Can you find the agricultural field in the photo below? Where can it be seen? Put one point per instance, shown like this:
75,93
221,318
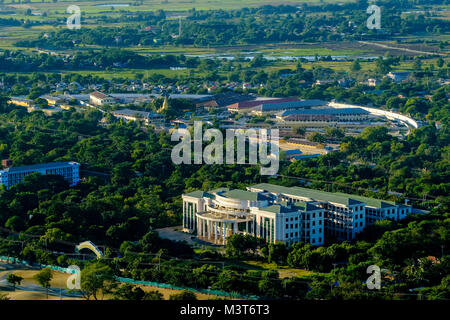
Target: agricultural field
151,5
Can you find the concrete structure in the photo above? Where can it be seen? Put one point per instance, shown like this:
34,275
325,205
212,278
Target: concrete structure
282,214
246,105
53,101
323,115
292,153
133,115
98,98
14,175
346,215
376,209
22,101
218,214
273,108
401,76
373,82
7,163
410,122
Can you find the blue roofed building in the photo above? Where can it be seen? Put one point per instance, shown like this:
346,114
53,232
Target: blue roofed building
285,106
292,153
323,115
14,175
305,157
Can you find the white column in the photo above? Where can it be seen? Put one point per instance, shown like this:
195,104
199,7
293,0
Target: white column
208,227
224,232
264,231
204,228
274,236
215,231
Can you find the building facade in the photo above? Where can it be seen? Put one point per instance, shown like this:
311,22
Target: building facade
134,115
14,175
99,98
283,214
220,213
274,108
325,115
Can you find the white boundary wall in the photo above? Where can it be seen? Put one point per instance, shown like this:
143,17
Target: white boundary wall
378,112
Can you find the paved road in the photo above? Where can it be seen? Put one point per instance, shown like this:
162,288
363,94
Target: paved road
401,49
171,234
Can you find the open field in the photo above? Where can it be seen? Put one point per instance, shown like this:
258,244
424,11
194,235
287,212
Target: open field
176,5
59,281
284,271
35,292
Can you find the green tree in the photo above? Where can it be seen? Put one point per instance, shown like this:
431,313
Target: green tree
238,244
153,295
356,66
14,280
275,252
3,296
128,292
299,130
44,277
183,295
97,277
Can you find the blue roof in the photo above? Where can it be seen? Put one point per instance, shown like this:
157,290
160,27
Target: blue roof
291,152
291,105
306,156
331,111
40,166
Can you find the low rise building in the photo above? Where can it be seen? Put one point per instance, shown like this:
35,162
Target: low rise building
22,101
134,115
53,101
400,76
274,108
373,82
324,115
292,153
244,106
99,98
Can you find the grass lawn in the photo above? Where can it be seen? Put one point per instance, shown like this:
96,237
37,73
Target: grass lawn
284,271
59,281
152,5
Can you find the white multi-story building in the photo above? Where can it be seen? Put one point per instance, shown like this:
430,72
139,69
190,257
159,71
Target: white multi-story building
346,215
377,209
218,214
282,214
14,175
